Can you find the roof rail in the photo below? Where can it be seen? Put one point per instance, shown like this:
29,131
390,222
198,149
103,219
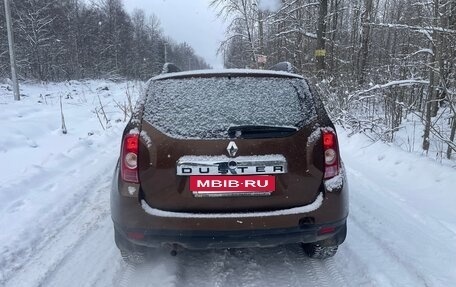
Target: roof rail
284,66
170,68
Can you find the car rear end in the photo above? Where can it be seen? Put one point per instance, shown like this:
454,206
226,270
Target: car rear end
220,160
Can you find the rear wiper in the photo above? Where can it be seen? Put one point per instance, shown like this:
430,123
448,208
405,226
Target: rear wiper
260,132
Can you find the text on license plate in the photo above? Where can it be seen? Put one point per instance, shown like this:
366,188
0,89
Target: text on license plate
233,183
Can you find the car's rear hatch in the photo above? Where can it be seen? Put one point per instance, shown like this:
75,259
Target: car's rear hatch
195,121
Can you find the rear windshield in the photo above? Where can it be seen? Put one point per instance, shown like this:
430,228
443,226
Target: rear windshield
202,108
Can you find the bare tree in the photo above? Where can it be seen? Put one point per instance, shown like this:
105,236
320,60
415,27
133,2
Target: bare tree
71,39
389,60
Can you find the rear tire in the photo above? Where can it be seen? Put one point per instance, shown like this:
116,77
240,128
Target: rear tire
326,248
316,251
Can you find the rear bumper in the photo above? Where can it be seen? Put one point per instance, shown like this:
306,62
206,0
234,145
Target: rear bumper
229,239
231,231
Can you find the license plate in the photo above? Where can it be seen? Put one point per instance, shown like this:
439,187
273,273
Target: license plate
232,185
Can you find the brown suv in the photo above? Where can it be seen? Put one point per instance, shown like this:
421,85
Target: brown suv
229,159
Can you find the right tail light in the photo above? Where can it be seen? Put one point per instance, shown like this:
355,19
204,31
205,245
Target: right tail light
129,158
331,152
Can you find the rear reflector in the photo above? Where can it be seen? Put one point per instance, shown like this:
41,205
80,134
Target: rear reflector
331,153
326,230
135,235
129,158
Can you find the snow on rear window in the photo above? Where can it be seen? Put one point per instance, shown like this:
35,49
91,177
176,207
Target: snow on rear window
205,108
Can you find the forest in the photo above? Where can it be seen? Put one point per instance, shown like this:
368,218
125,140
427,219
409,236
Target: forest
377,63
60,40
383,67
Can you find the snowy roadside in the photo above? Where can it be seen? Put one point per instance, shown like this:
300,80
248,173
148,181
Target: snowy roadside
402,223
47,177
407,177
31,128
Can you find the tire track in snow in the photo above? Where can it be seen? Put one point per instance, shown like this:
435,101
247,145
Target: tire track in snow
160,270
352,265
304,271
44,223
337,278
249,267
202,268
386,227
124,275
382,248
91,262
60,242
319,273
73,216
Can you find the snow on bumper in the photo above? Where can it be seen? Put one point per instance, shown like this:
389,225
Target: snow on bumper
290,211
337,182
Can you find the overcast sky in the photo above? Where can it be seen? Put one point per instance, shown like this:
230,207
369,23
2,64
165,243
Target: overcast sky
191,21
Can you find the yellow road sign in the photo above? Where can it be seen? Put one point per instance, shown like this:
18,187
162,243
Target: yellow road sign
320,53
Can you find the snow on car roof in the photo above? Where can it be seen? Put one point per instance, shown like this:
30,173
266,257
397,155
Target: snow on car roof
217,72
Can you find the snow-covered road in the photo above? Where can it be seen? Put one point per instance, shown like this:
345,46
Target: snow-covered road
55,226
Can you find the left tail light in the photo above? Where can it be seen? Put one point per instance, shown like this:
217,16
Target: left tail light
331,151
129,158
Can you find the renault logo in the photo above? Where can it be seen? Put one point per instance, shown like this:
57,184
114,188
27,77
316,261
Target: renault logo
232,149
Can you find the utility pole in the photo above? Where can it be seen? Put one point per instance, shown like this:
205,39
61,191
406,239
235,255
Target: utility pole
261,63
9,27
261,31
166,52
320,52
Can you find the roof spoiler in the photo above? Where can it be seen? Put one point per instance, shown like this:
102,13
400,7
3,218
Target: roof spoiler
284,66
170,68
